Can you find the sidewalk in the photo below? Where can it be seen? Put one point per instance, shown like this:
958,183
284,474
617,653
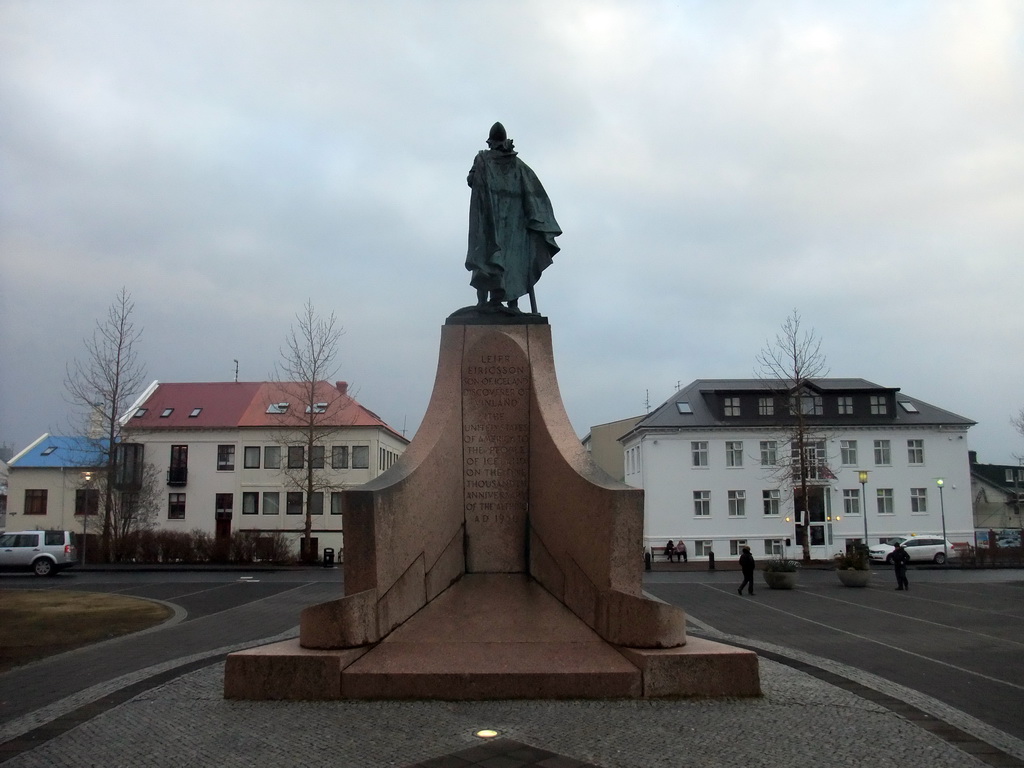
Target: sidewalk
170,715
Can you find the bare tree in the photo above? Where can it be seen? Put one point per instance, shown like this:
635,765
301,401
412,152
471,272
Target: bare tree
1018,424
135,510
102,383
308,360
787,365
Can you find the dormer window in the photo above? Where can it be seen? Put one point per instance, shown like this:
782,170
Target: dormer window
277,408
732,406
878,406
167,412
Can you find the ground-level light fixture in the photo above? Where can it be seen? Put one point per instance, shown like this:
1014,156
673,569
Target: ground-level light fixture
486,733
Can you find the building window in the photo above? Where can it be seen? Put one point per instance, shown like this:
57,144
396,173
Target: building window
699,453
360,457
845,405
769,453
885,506
773,547
296,456
883,456
915,451
878,405
225,458
272,457
702,503
251,457
293,500
339,457
316,505
734,453
271,502
335,502
810,405
176,506
919,501
177,470
732,406
765,406
848,452
771,499
225,504
701,547
735,545
87,501
35,501
737,503
250,502
195,413
851,501
316,456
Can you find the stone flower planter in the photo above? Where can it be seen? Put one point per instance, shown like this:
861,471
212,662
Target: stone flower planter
851,577
780,579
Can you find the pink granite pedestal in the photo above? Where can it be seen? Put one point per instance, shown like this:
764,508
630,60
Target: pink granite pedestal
493,560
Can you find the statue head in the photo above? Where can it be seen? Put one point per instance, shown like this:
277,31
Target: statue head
497,135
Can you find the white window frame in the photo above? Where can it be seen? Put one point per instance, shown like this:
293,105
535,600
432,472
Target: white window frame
915,452
769,453
884,501
699,453
702,503
737,503
883,453
851,502
734,454
919,501
848,453
771,501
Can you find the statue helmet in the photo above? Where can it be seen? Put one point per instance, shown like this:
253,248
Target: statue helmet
497,134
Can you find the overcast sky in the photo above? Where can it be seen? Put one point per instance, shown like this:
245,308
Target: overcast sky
713,165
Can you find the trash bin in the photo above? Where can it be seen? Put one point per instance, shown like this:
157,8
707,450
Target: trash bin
328,557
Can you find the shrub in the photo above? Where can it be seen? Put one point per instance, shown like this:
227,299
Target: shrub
779,564
853,560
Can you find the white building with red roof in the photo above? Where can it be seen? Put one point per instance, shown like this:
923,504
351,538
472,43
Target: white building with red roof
234,454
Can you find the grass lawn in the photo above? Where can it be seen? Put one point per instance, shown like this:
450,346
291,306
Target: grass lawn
35,623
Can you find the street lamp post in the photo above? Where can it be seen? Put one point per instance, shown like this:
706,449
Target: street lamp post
862,475
942,508
87,477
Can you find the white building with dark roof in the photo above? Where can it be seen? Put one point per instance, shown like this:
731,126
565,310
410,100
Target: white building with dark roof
709,461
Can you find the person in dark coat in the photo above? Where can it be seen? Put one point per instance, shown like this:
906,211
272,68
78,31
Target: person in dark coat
900,558
747,566
670,549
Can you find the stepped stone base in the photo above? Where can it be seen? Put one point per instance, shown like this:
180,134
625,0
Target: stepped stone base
491,636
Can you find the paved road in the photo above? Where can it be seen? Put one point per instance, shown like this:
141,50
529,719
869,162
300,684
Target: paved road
216,610
956,635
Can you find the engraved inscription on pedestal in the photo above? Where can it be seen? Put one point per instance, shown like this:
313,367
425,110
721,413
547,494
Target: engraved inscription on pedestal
496,452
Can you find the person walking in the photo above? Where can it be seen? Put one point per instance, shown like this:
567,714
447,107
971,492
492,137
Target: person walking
900,558
747,566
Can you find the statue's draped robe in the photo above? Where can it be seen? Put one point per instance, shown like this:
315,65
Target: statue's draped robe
512,228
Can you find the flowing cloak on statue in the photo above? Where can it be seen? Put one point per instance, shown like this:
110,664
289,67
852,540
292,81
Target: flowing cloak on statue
512,228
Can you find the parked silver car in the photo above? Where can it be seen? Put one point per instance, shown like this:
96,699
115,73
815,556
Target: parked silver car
927,549
43,552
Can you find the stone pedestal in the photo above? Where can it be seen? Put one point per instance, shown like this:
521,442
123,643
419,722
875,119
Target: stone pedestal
495,512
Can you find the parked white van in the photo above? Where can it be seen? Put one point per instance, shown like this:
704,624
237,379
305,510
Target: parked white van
44,552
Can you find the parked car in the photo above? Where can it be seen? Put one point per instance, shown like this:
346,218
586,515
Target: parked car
43,552
926,549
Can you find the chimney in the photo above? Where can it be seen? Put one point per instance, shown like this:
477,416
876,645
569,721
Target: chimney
342,387
972,457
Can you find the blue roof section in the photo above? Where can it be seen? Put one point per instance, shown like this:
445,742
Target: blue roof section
55,451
